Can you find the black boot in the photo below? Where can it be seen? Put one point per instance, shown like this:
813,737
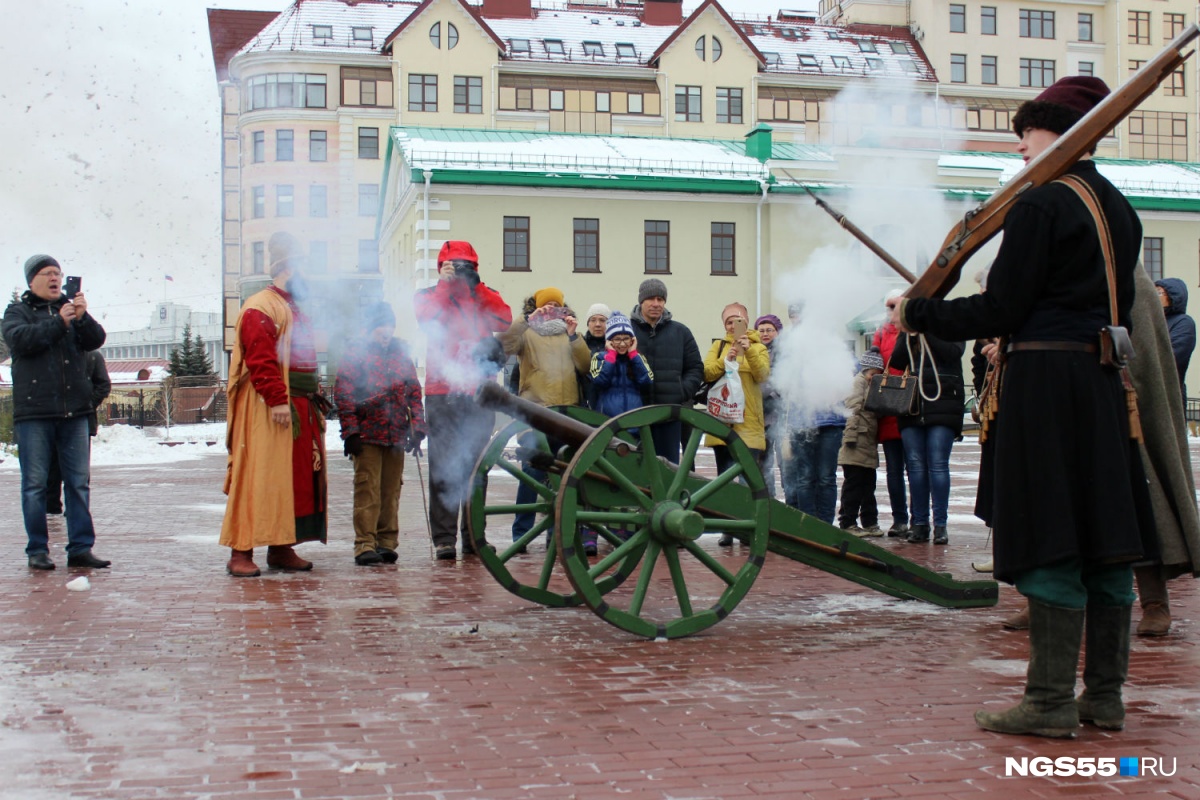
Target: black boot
940,535
918,534
40,561
85,558
1048,708
1105,666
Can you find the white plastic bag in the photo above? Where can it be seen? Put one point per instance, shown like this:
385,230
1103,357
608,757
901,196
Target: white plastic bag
726,398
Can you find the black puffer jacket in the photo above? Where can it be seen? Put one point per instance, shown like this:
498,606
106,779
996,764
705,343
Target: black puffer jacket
946,370
674,358
50,373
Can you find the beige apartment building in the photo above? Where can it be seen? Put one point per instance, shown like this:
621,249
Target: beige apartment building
591,144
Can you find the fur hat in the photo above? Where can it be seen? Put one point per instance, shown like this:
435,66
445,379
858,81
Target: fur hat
458,251
771,318
1061,105
618,323
543,296
652,287
598,310
870,360
379,315
284,252
35,264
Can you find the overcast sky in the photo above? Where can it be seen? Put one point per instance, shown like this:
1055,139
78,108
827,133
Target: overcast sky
111,148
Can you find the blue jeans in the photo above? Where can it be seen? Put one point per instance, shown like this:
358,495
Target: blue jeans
893,454
36,440
813,472
927,454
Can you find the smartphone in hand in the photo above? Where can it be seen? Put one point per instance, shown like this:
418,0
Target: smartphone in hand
72,286
739,329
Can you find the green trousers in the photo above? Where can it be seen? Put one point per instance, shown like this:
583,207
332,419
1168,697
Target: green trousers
1075,584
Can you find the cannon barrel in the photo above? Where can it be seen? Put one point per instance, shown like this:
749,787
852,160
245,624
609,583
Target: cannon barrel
557,426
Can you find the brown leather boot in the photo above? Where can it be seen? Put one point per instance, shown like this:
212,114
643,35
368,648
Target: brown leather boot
241,564
1017,622
282,556
1156,619
1156,606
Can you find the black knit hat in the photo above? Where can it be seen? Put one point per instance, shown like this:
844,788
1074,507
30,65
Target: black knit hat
35,264
1061,105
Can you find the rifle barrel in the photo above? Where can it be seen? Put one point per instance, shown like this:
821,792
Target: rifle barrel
858,233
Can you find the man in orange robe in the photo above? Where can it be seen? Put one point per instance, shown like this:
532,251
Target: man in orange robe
276,425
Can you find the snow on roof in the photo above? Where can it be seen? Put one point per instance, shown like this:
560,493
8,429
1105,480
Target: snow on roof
838,52
596,36
507,151
332,26
1149,179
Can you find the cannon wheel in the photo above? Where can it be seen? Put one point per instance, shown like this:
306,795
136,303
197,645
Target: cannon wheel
664,508
478,511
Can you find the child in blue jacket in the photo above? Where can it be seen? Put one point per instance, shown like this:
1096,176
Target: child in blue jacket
620,373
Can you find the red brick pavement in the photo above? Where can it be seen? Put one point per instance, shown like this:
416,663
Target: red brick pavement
169,679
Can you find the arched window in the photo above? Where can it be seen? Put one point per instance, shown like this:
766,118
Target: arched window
716,49
435,35
700,48
451,36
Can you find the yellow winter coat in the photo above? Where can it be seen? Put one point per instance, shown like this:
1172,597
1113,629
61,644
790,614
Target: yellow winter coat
548,364
754,367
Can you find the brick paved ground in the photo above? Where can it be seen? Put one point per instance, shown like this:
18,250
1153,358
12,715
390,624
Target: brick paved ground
171,680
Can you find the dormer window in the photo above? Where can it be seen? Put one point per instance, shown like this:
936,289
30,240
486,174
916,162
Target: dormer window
875,63
554,47
834,35
361,35
788,33
899,48
593,49
626,50
322,32
518,45
807,60
841,62
866,47
908,65
772,59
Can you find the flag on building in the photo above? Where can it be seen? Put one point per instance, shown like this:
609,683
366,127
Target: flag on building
168,277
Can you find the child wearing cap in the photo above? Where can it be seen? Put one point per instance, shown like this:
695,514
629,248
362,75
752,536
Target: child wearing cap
620,373
859,456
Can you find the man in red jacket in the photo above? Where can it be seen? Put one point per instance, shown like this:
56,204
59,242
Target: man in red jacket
458,315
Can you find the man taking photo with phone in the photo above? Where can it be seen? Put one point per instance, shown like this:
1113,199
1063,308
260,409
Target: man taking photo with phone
48,336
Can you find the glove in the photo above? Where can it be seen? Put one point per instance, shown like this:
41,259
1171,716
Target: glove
353,445
468,275
413,445
610,356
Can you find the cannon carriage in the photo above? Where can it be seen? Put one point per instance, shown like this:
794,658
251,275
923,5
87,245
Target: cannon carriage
657,581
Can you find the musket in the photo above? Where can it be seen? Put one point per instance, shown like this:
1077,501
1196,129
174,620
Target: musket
858,233
982,223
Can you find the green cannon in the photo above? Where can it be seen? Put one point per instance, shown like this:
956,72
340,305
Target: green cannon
603,479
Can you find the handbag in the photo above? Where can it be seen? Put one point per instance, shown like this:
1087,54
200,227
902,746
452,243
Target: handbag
894,395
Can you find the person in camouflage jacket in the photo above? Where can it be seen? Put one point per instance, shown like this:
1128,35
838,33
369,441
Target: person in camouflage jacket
378,399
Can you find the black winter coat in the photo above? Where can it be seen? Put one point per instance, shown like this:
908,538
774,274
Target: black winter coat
674,358
50,374
946,369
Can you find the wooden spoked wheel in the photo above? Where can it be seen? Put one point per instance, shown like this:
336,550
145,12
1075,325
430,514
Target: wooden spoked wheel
523,567
646,506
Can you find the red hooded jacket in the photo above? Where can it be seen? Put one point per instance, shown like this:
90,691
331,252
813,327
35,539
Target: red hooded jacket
455,320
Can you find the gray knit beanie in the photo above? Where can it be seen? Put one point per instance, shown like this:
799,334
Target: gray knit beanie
35,264
652,287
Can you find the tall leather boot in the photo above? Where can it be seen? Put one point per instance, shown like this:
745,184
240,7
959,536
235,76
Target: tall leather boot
1156,607
282,556
241,564
1105,666
917,534
1048,708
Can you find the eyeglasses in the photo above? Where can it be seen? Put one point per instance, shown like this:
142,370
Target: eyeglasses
52,273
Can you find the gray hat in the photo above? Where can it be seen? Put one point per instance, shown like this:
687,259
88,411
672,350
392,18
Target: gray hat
870,360
652,287
379,315
35,264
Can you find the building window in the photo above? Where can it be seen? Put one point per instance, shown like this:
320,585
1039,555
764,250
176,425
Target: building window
318,201
841,62
1036,24
687,103
867,46
958,18
258,147
1037,73
1139,27
987,20
627,50
1085,28
958,68
603,102
554,47
722,248
635,103
587,245
451,36
367,86
284,145
368,255
1173,25
1087,68
258,258
285,90
322,33
987,70
717,49
1152,256
1158,134
318,146
593,49
558,99
368,199
318,258
468,95
729,106
658,245
258,201
1174,86
422,92
368,142
361,34
516,244
702,48
1135,64
285,200
435,35
518,46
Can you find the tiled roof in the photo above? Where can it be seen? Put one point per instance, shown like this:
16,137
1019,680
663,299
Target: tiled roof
302,25
604,27
229,30
841,52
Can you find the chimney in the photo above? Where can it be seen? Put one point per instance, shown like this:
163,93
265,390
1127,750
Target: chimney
758,142
662,12
507,9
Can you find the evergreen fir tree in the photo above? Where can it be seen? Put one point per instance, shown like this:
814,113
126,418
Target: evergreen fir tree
182,358
201,363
